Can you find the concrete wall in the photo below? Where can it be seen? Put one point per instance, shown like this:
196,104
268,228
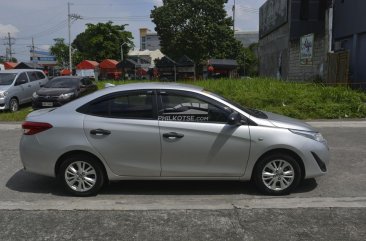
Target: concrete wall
349,17
350,30
273,51
300,72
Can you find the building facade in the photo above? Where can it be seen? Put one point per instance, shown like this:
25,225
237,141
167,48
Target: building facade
293,41
149,40
349,33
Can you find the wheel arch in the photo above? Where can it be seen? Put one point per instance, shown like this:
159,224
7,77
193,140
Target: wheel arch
13,97
79,152
291,153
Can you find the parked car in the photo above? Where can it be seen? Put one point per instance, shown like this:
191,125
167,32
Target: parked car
168,131
18,85
61,90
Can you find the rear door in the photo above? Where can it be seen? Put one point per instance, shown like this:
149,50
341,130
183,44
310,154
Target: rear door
23,91
34,82
196,139
123,128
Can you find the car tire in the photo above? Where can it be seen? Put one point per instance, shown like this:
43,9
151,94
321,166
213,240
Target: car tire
81,175
13,105
277,174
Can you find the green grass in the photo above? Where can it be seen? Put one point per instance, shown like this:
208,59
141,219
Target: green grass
298,100
16,116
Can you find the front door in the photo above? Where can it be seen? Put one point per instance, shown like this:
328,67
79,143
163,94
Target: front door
196,139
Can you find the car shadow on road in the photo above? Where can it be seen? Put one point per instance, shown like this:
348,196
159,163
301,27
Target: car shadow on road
22,181
26,182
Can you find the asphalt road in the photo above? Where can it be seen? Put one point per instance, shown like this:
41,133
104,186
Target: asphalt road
332,207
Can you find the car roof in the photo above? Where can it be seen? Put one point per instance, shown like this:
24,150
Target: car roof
16,71
69,77
156,85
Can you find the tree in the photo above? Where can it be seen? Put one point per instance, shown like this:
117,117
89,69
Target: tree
61,51
199,29
2,60
103,41
248,60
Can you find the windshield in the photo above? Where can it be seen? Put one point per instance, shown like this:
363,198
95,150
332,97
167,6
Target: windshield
7,78
62,83
250,111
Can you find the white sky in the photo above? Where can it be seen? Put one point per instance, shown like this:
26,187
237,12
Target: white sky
47,19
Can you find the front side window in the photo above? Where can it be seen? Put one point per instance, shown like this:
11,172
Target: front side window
22,79
135,105
189,108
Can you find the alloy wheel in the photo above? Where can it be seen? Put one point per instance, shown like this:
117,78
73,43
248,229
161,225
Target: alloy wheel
278,175
80,176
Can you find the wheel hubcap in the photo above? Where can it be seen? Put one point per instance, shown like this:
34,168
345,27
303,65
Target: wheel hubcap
13,106
278,175
80,176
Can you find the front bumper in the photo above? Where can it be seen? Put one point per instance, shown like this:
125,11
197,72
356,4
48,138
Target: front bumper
41,103
4,104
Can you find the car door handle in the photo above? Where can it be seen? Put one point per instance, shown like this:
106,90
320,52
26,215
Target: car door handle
173,135
100,132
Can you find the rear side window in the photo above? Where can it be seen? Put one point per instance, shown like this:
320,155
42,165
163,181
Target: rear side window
135,105
40,75
86,81
32,76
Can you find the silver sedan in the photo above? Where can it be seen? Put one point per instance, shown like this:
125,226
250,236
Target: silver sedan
168,131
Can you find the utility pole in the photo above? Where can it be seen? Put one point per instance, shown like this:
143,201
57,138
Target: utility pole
10,43
70,17
69,27
33,54
234,16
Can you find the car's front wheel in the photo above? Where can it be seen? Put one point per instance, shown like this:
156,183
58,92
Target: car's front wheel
81,175
277,174
13,105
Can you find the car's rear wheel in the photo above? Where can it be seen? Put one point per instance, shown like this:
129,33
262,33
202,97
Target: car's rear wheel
277,174
81,175
13,105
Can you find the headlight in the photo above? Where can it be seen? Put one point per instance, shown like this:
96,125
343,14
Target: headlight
66,96
316,136
35,96
3,94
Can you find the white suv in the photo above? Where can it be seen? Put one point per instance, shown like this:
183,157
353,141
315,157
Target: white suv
18,85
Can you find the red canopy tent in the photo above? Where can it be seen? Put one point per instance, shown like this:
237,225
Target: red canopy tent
108,69
87,64
10,65
87,68
65,72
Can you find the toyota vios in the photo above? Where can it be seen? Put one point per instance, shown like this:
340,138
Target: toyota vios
168,131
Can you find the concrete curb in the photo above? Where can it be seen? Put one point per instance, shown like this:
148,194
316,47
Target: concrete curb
190,203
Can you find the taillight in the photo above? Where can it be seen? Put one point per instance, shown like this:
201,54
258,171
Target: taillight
31,128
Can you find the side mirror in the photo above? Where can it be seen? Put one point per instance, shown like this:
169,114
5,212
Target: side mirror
234,119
